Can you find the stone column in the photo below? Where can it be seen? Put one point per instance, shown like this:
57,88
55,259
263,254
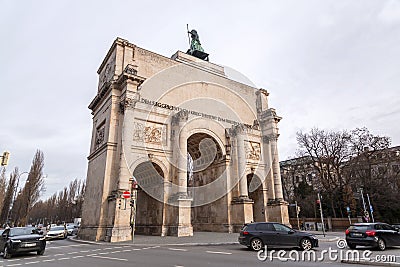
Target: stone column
241,158
183,202
276,168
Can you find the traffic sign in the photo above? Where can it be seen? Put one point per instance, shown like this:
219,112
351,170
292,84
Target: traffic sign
126,194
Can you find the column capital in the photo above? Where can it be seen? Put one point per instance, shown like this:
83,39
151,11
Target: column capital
181,116
128,102
270,138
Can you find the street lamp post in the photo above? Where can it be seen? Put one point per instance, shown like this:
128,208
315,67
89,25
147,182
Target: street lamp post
133,201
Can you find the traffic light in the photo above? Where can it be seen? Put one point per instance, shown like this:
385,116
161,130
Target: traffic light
132,202
119,203
5,158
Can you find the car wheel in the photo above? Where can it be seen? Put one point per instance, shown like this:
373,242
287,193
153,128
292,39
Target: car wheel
256,244
305,244
351,246
381,245
6,253
41,252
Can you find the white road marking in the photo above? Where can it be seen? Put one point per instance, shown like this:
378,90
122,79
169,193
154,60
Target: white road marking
49,260
15,260
109,258
80,245
136,249
31,262
117,251
108,248
96,249
127,250
76,257
126,246
83,251
61,254
178,249
104,253
61,259
16,264
75,252
117,247
219,252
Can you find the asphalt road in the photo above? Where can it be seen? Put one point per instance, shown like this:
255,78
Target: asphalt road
62,253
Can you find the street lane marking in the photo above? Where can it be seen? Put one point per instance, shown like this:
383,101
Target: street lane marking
83,251
126,246
104,253
219,252
49,260
76,257
61,254
127,250
178,249
61,259
136,249
16,264
80,245
96,249
109,258
117,251
75,252
31,262
108,248
15,260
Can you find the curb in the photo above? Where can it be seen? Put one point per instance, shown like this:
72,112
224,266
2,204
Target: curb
147,244
373,263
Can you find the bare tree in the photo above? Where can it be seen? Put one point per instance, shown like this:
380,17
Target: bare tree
32,189
9,196
328,150
3,187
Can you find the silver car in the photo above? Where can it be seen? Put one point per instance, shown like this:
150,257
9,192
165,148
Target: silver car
57,232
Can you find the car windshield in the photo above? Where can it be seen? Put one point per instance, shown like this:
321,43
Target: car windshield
70,227
21,231
359,227
57,228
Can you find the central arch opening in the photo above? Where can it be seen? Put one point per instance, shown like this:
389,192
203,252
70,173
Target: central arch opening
149,208
206,164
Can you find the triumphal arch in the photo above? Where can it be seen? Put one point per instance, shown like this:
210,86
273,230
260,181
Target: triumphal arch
194,144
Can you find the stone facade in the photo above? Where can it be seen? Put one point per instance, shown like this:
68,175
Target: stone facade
201,146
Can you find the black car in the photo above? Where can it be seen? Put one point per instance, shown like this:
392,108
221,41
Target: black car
378,235
21,239
257,235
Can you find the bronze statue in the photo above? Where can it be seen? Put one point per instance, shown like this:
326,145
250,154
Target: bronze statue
195,46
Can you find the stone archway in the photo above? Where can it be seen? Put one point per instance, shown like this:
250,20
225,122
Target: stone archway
206,164
255,187
149,208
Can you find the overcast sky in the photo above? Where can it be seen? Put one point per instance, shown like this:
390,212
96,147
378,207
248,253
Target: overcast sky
327,64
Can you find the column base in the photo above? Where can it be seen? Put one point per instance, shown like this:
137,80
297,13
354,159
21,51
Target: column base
278,211
241,212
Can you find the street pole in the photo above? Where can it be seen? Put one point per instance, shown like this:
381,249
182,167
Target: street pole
322,215
371,209
297,215
363,200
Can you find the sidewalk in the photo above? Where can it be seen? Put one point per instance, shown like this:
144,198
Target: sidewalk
199,239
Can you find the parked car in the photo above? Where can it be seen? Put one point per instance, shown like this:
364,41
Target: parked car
21,239
72,229
397,225
257,235
57,232
378,235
